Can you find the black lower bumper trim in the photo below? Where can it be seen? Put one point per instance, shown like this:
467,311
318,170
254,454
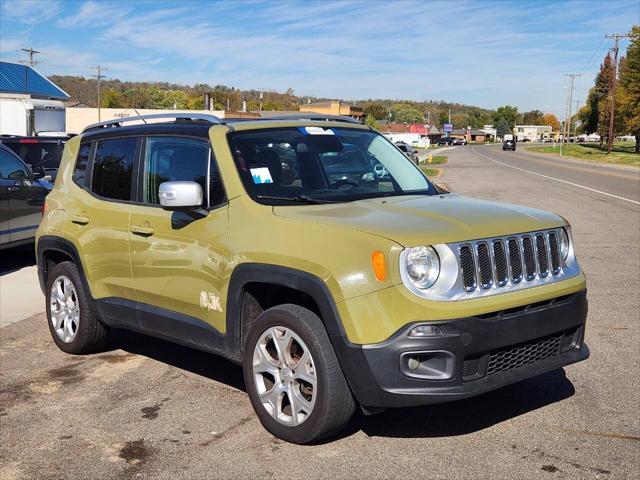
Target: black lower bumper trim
474,354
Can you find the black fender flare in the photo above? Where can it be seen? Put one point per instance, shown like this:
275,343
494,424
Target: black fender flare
47,243
350,356
286,277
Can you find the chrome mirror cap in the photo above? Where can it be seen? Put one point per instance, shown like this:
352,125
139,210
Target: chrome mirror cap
176,195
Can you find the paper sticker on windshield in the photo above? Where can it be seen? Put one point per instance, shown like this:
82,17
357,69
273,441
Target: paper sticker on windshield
316,131
261,175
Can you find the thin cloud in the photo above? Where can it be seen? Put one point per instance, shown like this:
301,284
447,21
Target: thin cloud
30,12
94,13
464,51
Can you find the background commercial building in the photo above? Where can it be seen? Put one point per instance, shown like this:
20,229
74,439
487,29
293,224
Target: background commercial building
334,107
531,133
30,103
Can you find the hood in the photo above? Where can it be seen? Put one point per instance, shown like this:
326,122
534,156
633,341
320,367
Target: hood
420,220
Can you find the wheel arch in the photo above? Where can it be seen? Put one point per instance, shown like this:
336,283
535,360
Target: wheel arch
51,250
253,287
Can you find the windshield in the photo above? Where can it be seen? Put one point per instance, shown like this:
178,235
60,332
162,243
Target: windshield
315,165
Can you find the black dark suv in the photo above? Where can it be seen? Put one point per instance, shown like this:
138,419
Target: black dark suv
41,151
509,145
445,141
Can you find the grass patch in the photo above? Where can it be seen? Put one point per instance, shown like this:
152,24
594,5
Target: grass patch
430,172
435,160
622,153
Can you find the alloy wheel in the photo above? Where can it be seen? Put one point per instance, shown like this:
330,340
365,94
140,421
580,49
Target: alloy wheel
64,308
285,376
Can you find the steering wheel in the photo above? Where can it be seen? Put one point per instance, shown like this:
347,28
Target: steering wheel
343,182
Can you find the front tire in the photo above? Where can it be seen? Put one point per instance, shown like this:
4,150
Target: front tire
73,326
293,378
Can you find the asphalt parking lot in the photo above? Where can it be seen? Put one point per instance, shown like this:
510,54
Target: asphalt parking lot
145,408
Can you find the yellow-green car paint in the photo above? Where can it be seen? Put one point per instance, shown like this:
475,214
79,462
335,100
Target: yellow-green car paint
332,242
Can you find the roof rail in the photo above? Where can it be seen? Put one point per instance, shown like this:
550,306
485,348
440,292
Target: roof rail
311,117
117,122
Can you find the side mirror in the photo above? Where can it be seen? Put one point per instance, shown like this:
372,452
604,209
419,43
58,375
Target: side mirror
19,175
180,195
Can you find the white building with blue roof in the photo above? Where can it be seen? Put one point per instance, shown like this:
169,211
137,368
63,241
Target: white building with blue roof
30,104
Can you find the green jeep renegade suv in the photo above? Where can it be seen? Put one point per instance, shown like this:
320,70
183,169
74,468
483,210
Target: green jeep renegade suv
312,252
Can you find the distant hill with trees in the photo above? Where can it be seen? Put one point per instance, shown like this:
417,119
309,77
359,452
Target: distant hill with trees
164,95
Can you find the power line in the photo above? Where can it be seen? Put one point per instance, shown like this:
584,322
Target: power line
612,110
99,69
596,54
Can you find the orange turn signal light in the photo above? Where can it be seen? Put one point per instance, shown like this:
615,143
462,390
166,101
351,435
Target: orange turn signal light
379,265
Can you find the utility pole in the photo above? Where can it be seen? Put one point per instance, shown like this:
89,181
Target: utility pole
31,62
31,52
612,91
575,127
566,130
98,76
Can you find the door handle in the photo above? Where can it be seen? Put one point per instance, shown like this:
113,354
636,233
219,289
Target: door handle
13,189
80,219
144,231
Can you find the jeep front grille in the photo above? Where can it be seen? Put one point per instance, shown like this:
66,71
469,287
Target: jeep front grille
506,262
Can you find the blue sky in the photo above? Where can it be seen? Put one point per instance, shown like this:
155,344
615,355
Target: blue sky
475,52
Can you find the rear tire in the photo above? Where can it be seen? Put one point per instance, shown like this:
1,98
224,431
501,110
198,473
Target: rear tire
73,326
307,372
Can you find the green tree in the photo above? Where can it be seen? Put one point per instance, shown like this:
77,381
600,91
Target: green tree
111,98
376,111
630,88
443,117
603,92
371,122
503,127
508,113
534,117
588,115
404,113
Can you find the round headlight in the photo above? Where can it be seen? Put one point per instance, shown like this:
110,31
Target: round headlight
564,244
422,266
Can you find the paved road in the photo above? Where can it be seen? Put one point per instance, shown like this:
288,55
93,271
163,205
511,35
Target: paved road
149,409
620,182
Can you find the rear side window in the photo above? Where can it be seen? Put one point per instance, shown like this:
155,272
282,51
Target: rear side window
113,168
80,171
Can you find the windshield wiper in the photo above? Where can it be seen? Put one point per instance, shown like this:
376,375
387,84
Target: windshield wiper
299,198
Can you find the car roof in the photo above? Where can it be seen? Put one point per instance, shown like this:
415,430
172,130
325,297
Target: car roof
188,119
201,129
33,139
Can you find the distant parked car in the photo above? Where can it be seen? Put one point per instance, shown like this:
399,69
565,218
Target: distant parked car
509,145
445,141
409,151
459,141
22,194
41,151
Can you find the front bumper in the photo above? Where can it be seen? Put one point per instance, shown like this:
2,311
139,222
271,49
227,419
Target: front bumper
472,356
